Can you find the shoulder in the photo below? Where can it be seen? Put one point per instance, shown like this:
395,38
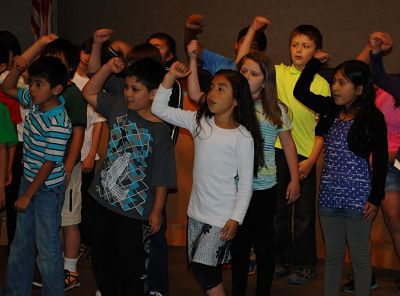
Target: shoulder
244,134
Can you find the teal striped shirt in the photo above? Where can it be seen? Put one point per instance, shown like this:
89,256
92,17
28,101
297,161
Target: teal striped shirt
45,139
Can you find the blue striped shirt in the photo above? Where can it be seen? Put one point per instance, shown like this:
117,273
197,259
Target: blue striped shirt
266,176
45,139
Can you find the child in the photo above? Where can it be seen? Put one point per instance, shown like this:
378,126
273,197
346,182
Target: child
76,108
212,61
223,170
46,132
257,228
132,185
350,192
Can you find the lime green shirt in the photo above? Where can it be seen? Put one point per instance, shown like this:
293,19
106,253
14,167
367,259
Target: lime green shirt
303,119
8,134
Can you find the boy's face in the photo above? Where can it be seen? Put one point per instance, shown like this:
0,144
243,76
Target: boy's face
137,96
302,49
84,60
162,46
41,92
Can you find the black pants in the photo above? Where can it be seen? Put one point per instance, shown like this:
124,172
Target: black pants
88,202
12,192
295,224
257,230
117,253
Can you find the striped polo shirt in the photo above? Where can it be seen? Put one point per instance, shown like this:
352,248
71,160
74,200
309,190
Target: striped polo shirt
45,139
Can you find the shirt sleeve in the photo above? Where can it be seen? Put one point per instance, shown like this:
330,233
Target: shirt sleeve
8,133
390,84
163,160
214,62
286,123
24,97
245,152
75,104
175,116
105,104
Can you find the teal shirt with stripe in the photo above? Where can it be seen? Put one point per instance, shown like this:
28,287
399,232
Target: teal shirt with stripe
45,138
266,176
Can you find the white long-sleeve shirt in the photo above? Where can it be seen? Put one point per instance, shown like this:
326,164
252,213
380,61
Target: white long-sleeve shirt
223,164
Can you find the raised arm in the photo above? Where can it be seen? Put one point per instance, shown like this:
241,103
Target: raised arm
391,84
95,85
194,91
387,44
99,37
9,85
302,92
258,23
194,26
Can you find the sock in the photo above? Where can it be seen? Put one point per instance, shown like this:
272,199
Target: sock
70,264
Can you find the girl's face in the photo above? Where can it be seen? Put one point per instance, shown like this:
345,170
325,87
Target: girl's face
344,91
220,97
255,76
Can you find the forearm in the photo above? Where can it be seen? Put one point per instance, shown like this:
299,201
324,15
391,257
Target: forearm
35,50
96,137
75,147
194,90
3,165
41,177
246,45
160,197
95,85
364,54
11,155
95,58
316,151
289,148
188,36
9,85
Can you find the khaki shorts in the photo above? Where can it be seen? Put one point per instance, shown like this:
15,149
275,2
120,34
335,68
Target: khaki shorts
71,211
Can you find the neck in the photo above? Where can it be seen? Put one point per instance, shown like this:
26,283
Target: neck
146,114
225,121
49,104
81,72
298,67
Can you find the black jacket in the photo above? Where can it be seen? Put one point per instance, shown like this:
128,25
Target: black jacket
367,134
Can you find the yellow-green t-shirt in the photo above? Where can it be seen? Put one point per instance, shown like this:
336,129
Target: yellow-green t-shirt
303,119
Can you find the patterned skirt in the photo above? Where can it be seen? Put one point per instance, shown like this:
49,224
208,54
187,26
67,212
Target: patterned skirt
205,245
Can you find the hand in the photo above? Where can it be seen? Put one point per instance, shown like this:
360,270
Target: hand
380,41
370,211
22,203
179,70
229,230
155,221
2,198
87,164
305,167
193,49
116,65
102,35
195,22
260,23
321,56
46,39
20,64
292,192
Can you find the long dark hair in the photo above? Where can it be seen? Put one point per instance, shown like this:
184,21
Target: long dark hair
243,114
360,75
269,97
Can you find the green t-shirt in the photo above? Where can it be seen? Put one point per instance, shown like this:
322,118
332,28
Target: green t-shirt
303,119
75,105
8,134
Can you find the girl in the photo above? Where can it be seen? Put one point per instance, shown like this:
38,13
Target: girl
223,169
257,227
350,192
388,102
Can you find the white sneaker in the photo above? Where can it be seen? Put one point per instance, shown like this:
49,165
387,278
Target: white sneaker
97,293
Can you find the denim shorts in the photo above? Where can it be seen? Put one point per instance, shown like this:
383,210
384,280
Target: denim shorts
392,179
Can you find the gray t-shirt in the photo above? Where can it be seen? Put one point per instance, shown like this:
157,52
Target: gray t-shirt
140,156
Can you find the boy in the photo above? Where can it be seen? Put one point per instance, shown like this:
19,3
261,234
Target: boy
213,61
46,132
295,224
75,105
132,185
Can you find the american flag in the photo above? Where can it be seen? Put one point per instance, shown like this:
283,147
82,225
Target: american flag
41,17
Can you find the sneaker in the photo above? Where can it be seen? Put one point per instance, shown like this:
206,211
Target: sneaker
349,286
97,293
37,279
301,276
71,280
280,271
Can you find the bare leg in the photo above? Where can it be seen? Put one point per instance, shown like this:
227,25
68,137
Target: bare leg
216,291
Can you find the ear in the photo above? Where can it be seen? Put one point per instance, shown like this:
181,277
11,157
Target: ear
58,89
235,102
153,94
236,46
359,90
3,67
169,57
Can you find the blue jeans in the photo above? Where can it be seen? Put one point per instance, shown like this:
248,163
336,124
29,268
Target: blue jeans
39,224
